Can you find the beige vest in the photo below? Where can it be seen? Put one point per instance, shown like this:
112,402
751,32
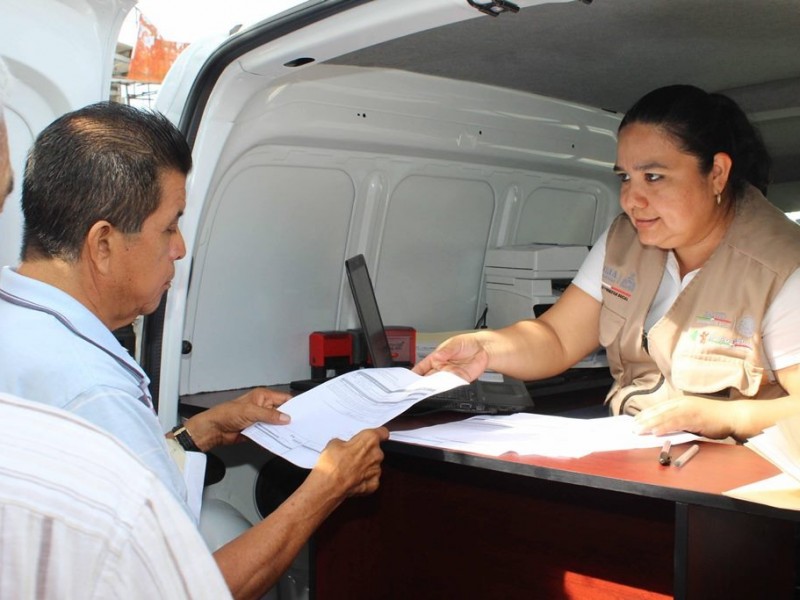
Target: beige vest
709,342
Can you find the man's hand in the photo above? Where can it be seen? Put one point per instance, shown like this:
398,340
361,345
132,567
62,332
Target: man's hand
223,423
352,468
463,355
253,562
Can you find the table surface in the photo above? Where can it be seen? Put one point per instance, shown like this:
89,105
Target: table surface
566,516
716,468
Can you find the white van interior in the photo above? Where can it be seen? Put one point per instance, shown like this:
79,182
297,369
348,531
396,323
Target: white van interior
423,139
423,134
347,160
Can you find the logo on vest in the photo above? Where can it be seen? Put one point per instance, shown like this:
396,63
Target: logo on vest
614,284
714,319
707,325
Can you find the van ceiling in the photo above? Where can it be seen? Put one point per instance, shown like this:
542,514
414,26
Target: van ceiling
608,53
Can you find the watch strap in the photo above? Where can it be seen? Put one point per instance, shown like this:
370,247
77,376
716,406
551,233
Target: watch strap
184,438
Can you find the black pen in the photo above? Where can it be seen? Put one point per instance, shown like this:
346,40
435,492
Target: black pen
663,457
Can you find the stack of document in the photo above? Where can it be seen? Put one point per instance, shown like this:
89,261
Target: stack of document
542,435
343,406
779,444
367,398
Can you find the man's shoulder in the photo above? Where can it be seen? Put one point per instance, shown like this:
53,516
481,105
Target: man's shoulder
65,430
43,359
57,368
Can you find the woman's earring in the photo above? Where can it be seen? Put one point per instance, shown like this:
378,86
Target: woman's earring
719,199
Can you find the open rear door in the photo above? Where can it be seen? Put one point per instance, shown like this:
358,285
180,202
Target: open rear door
60,54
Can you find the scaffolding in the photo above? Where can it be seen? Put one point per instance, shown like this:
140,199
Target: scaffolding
128,91
138,84
134,93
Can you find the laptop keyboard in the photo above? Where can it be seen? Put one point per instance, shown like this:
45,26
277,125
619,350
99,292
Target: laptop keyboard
463,398
463,393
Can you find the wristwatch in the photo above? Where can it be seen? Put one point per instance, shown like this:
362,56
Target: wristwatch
180,433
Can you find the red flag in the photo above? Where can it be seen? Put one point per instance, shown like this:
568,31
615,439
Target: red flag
153,55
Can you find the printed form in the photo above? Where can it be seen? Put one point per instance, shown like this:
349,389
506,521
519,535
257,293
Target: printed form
367,398
342,407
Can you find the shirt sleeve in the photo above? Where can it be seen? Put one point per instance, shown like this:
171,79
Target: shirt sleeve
163,557
590,275
781,326
136,426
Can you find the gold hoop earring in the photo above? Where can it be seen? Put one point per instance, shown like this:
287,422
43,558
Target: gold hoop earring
719,199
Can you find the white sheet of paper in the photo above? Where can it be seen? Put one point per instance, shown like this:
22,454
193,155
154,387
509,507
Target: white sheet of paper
779,447
194,474
342,407
780,491
531,434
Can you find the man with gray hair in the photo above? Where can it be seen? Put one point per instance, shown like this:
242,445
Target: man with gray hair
102,195
80,516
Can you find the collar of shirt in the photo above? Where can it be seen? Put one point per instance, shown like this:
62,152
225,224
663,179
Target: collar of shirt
74,315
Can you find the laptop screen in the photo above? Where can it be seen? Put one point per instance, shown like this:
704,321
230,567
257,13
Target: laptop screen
368,314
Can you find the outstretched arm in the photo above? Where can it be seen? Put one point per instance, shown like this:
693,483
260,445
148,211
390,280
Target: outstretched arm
530,349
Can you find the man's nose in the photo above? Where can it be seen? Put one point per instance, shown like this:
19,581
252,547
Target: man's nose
179,249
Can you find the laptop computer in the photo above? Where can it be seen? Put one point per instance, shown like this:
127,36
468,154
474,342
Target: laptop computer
479,397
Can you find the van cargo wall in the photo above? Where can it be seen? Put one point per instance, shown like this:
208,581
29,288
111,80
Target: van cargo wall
420,174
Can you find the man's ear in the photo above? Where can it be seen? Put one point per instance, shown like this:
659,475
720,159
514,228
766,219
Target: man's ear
100,244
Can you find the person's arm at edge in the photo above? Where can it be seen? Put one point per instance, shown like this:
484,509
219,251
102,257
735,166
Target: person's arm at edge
751,417
254,562
528,350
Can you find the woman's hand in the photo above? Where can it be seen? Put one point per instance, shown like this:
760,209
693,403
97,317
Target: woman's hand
714,419
463,355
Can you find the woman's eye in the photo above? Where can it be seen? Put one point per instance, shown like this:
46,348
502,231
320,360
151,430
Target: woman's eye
652,177
623,177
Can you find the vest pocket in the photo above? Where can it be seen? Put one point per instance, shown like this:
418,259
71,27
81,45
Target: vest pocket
611,325
710,373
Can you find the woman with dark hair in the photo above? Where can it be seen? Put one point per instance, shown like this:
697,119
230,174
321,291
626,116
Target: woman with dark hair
692,290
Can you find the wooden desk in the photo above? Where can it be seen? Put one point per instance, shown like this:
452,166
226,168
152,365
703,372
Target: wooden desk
611,525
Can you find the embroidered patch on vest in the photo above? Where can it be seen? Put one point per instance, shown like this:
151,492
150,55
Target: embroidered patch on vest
703,337
717,319
707,325
622,288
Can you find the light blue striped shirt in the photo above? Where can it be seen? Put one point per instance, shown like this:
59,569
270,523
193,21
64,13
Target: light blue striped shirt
54,350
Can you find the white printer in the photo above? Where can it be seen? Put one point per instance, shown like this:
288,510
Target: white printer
521,277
